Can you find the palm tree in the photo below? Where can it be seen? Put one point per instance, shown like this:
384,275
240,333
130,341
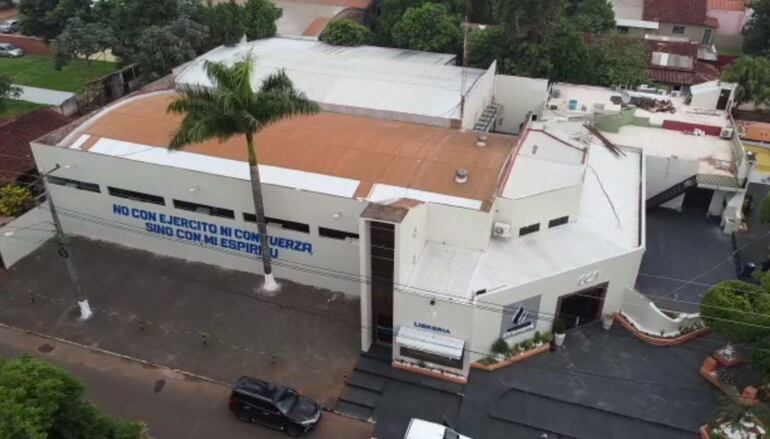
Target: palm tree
231,107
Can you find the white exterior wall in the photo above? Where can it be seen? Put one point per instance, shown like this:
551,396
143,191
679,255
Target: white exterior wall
619,272
464,228
173,183
664,172
541,208
518,96
693,32
411,236
479,97
25,234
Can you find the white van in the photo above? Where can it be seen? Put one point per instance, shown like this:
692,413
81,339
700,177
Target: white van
419,429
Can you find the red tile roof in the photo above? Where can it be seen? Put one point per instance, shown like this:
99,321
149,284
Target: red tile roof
15,152
675,47
728,5
703,72
677,11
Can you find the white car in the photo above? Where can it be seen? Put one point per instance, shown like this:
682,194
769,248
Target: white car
10,51
419,429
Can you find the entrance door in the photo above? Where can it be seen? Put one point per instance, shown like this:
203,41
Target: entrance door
381,254
724,96
582,307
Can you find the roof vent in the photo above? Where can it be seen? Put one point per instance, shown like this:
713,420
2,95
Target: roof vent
461,175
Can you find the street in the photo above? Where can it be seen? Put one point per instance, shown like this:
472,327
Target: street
173,405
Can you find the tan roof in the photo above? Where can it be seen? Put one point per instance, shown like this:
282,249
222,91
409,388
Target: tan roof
372,151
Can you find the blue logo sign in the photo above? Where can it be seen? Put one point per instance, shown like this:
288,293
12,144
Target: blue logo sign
201,232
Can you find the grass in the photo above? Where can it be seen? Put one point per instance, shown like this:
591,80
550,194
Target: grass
14,107
38,71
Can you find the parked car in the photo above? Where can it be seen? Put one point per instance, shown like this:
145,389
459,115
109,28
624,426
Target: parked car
10,51
9,26
420,429
275,406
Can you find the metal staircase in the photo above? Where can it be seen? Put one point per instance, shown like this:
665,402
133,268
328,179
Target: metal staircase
487,119
672,192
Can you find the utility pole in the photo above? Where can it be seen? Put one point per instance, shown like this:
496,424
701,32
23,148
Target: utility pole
66,253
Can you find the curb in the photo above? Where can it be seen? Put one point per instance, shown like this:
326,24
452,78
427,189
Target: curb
659,341
115,354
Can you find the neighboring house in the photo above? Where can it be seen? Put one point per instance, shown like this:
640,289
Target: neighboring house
732,17
675,64
682,18
17,133
629,18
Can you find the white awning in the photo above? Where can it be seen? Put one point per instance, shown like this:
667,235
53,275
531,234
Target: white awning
430,342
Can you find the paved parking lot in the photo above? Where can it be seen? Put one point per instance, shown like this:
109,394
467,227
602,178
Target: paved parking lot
163,309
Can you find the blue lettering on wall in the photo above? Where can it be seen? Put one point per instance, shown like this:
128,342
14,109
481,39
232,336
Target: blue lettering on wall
201,232
431,328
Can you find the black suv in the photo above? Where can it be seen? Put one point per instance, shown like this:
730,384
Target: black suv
276,406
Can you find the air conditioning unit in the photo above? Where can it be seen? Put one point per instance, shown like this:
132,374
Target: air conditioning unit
501,230
674,93
727,133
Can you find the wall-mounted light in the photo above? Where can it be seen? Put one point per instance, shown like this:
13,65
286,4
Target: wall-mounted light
194,189
432,301
337,215
8,233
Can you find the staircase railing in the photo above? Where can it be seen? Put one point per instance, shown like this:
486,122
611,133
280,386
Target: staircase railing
672,192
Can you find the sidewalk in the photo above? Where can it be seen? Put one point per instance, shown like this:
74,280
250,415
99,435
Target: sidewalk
43,95
172,404
162,310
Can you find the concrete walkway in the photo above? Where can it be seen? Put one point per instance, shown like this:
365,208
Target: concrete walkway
43,95
172,404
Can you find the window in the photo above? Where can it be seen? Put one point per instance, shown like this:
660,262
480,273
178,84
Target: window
432,358
707,36
623,29
136,196
336,234
558,221
678,30
285,224
75,184
529,229
204,209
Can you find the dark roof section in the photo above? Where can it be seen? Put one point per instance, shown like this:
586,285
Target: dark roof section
15,152
678,12
697,73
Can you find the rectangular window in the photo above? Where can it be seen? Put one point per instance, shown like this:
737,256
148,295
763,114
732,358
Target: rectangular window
136,196
623,29
284,224
529,229
558,221
707,36
336,234
204,209
678,30
75,184
432,358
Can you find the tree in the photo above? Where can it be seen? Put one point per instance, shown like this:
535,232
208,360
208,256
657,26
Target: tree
484,47
528,20
225,22
39,401
617,59
569,54
231,108
393,10
738,311
14,200
346,33
161,48
259,20
429,27
80,39
757,39
35,18
592,16
7,90
753,78
128,18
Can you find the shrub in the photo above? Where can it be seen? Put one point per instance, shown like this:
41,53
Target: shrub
547,337
738,311
764,210
760,358
527,344
537,338
500,347
346,32
14,200
559,327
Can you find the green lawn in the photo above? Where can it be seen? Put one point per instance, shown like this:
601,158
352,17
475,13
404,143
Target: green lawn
14,107
38,71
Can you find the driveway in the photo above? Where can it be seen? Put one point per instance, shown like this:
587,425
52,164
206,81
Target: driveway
172,404
188,316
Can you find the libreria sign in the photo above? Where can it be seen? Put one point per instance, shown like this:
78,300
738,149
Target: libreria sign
201,232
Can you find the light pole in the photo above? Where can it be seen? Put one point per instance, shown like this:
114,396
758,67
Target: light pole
66,253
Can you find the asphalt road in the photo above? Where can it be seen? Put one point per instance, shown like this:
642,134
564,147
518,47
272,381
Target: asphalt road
172,404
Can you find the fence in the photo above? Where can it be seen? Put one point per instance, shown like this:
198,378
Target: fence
25,234
31,45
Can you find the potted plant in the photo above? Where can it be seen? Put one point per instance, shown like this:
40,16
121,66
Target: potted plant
607,321
559,332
